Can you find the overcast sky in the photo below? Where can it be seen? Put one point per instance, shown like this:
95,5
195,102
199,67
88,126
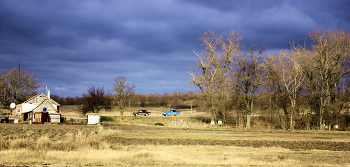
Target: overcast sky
73,45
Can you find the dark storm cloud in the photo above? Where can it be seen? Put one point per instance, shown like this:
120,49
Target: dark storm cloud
275,23
72,45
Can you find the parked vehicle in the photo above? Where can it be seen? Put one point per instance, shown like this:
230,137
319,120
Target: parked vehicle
141,112
171,112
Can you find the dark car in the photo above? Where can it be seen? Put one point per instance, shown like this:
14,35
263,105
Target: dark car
141,112
171,112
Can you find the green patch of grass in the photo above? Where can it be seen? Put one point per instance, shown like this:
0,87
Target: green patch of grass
107,119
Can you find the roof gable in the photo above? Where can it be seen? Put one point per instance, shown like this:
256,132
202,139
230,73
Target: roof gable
45,104
39,98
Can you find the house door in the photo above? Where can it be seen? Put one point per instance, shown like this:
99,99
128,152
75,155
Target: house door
25,116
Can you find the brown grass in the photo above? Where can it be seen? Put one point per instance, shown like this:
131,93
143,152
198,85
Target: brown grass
71,141
176,156
87,148
3,142
18,144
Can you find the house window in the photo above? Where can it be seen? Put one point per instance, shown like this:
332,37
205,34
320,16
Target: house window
18,110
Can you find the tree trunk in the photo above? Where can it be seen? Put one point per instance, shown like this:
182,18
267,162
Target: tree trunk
291,121
249,107
293,106
320,118
248,120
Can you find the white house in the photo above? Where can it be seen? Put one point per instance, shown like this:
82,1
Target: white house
39,108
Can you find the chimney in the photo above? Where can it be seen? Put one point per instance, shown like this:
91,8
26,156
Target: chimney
48,94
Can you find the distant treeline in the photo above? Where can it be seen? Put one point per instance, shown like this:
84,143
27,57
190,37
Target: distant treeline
266,114
173,100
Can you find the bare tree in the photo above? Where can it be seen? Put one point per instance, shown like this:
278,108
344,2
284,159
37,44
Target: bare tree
325,65
16,85
248,78
4,90
95,100
124,92
273,83
339,97
291,78
213,70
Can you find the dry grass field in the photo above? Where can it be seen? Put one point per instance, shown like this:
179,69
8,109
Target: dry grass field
137,141
149,145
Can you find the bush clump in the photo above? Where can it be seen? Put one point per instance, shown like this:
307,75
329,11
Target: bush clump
70,141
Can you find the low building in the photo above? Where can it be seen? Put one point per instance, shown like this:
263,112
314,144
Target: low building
39,108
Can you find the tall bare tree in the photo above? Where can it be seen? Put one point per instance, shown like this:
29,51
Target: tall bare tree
95,100
273,83
213,70
4,90
248,78
16,85
325,65
290,77
124,92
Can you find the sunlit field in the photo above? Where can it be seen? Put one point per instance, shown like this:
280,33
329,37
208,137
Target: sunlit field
163,155
146,145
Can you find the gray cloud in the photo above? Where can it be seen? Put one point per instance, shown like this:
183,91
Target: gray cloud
72,45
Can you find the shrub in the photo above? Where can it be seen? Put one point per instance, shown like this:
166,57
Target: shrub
18,144
94,141
71,141
43,143
4,144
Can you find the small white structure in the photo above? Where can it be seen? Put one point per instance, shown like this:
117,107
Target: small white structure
55,118
12,105
220,123
212,122
94,119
